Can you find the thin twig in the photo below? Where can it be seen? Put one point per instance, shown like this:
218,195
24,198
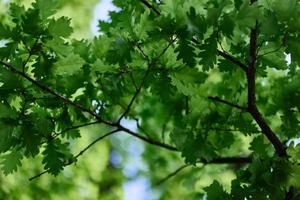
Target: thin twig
79,154
221,160
94,142
143,52
172,174
73,127
269,52
30,53
244,109
150,66
133,81
141,128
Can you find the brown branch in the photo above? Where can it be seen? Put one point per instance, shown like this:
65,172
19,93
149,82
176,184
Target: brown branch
56,94
267,131
148,5
80,107
252,108
244,109
146,139
232,59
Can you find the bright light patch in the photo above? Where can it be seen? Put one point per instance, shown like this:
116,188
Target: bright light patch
101,12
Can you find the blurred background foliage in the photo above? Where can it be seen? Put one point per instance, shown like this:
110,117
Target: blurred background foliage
103,172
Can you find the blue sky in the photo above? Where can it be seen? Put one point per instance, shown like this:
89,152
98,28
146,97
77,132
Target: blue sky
102,12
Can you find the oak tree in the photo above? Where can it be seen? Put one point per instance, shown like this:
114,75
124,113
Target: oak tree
215,82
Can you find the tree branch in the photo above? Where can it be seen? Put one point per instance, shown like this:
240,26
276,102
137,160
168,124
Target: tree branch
232,59
244,109
252,108
148,140
56,94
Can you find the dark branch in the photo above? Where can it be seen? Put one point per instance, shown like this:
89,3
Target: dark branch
148,5
244,109
148,140
267,131
252,108
56,94
232,59
229,160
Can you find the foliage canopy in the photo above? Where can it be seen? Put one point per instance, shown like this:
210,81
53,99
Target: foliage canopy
208,79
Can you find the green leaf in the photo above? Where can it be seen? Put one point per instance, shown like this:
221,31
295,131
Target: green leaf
247,15
59,47
46,8
7,139
120,52
60,27
32,23
11,161
186,52
294,176
208,54
68,66
192,147
101,67
186,80
227,25
259,146
16,11
294,152
216,192
54,158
